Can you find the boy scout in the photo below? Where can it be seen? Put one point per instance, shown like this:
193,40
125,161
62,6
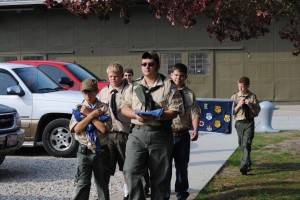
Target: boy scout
150,143
117,137
246,107
186,120
128,75
87,127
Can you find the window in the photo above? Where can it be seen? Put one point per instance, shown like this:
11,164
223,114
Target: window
198,63
53,72
169,60
80,72
6,81
36,81
33,57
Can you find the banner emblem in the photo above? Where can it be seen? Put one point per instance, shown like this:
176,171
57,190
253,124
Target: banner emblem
217,123
201,123
209,128
218,109
208,116
205,105
227,118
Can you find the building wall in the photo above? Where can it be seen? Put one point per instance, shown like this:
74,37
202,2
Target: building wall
56,34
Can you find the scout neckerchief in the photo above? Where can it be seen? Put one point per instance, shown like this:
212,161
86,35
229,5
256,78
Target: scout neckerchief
144,94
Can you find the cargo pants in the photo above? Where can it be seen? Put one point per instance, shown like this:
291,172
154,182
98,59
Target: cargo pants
89,163
148,148
245,131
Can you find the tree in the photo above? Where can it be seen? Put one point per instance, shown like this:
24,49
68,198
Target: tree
290,10
101,8
235,20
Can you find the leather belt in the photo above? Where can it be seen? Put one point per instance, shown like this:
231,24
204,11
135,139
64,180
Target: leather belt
180,132
245,120
147,127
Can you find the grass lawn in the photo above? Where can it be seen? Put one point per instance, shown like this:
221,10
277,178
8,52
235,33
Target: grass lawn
275,171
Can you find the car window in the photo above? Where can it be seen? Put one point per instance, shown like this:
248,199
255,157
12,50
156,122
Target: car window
6,80
53,72
36,80
80,72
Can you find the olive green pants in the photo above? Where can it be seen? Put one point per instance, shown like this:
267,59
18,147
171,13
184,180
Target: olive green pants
148,148
245,131
117,145
89,163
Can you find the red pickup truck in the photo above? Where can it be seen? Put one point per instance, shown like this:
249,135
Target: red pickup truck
68,75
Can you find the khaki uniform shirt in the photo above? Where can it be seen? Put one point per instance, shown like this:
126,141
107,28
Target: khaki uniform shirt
123,124
190,111
166,96
240,115
82,137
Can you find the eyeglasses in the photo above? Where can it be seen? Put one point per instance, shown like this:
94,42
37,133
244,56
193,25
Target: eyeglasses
150,64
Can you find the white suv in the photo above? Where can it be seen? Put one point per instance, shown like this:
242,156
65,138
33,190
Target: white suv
44,107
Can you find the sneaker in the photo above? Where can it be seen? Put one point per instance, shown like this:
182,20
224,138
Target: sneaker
126,198
182,195
147,192
249,168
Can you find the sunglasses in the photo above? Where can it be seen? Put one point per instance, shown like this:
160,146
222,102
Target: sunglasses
150,64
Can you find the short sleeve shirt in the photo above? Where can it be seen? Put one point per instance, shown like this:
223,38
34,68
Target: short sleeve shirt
166,96
240,115
190,111
81,137
122,123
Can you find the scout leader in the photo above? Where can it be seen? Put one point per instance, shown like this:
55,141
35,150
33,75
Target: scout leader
149,145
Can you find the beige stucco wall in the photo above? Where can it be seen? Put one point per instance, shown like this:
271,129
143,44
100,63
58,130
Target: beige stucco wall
274,72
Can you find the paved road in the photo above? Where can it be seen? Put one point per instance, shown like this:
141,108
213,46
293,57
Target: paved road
33,175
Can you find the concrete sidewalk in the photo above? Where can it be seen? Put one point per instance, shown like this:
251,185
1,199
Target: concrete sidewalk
208,155
286,117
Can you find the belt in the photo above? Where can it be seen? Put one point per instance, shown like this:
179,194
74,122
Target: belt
180,132
85,150
245,120
147,127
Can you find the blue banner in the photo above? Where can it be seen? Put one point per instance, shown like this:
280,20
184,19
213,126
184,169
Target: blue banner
216,115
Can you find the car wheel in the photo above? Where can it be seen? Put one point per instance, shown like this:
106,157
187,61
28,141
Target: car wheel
58,140
2,157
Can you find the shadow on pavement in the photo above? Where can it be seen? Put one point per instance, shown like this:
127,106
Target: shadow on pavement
30,151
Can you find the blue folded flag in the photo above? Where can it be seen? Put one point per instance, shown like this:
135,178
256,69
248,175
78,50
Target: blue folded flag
91,129
104,118
158,113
